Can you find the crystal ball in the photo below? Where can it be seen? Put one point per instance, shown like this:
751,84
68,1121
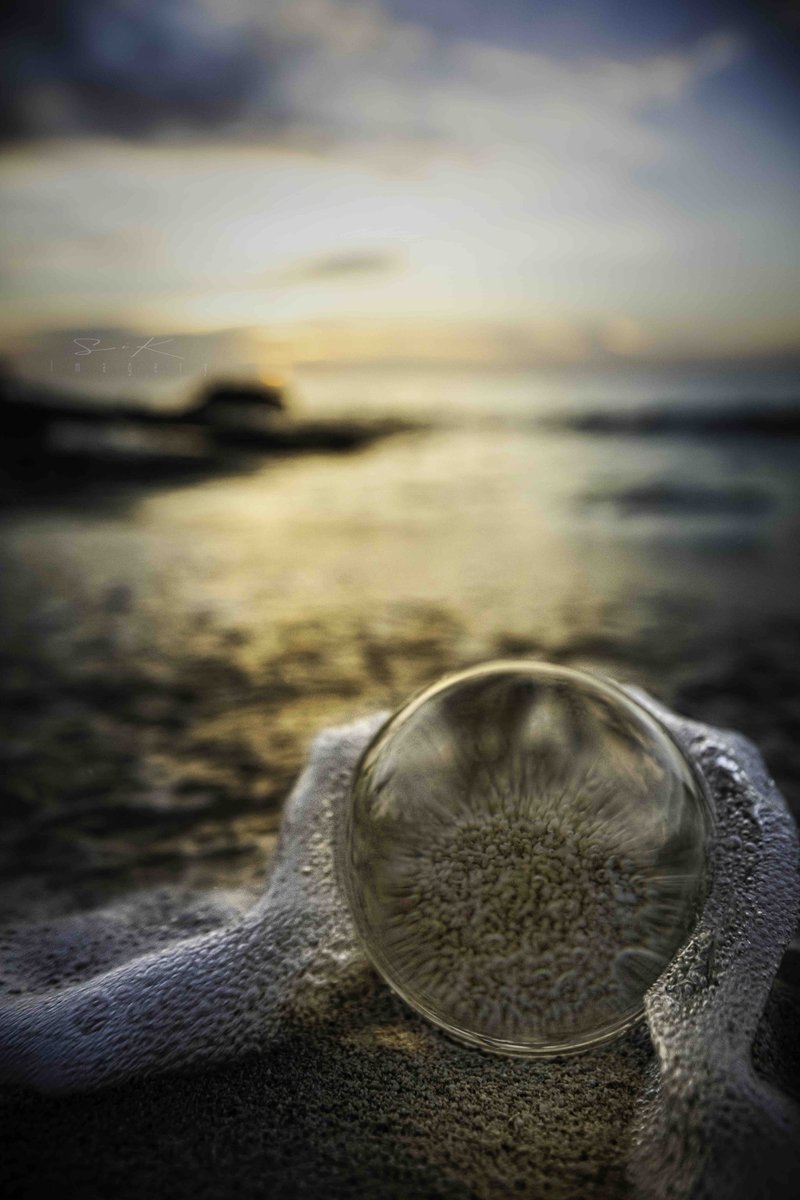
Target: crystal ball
524,851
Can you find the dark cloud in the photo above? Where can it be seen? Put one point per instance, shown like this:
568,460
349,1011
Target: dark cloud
404,76
356,262
127,67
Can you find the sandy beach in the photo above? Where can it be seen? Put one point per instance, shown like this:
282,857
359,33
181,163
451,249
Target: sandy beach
170,651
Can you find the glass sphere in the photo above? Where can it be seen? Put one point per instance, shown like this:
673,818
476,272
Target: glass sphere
524,851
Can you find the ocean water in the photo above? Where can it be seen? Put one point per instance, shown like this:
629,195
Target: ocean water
525,517
170,650
464,394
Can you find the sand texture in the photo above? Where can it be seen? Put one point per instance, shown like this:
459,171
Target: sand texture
173,1047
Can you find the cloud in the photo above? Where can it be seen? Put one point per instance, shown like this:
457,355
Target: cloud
319,72
477,343
336,266
131,67
227,163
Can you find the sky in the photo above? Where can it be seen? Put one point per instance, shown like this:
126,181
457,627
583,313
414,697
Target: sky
487,182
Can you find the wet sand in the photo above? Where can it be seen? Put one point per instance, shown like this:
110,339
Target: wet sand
169,651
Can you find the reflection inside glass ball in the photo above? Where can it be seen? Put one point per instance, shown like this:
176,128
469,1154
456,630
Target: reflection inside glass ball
524,851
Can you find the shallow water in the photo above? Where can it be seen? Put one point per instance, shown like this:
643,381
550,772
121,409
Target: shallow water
170,651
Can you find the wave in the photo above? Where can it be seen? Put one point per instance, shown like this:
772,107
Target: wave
739,420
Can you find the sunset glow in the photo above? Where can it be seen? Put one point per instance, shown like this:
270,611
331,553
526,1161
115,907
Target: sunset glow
388,190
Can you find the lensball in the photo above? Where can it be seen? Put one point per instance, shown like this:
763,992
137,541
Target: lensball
524,850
